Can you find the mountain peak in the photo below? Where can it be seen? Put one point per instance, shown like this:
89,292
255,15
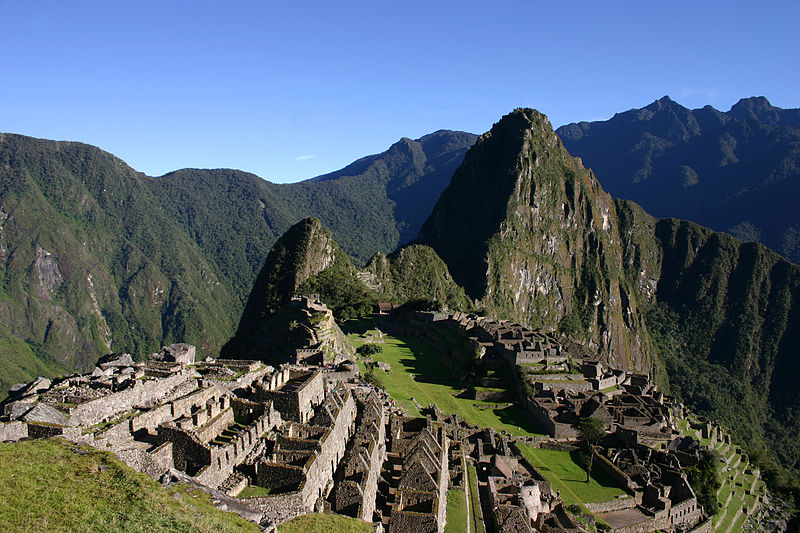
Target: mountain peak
513,228
756,108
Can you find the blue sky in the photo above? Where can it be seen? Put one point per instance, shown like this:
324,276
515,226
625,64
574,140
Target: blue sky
293,91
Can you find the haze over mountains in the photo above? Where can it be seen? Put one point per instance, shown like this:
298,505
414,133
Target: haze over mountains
737,172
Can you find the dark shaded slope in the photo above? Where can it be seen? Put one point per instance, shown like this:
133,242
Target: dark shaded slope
737,171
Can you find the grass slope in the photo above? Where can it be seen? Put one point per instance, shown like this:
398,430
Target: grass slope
456,511
408,357
52,485
325,523
567,476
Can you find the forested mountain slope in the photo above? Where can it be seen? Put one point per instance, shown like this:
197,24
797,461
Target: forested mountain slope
96,257
531,234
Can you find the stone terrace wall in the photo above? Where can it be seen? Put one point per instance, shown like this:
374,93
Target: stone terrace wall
141,393
370,486
223,459
13,431
614,473
614,505
318,470
154,463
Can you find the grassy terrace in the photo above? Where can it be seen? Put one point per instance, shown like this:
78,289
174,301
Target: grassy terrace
409,357
456,511
325,523
251,491
52,485
731,517
475,516
568,477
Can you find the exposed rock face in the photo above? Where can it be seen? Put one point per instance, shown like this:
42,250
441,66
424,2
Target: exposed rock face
272,326
531,234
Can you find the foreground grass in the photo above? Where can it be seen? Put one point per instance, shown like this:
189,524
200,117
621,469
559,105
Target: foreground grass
456,511
568,477
409,357
53,485
325,523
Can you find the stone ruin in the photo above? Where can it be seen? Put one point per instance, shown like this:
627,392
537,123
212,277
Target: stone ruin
222,424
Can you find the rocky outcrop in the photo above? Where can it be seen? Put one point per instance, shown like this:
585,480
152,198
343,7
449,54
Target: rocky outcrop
531,234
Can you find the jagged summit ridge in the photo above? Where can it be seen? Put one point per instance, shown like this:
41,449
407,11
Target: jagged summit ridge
531,234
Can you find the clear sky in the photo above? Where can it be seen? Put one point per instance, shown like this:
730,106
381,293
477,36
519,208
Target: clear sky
290,90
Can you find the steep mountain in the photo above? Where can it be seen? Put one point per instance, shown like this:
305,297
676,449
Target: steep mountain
95,256
306,261
414,273
91,263
737,172
272,326
531,234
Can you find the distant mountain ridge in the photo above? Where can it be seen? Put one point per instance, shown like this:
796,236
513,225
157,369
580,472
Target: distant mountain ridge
96,257
532,236
737,172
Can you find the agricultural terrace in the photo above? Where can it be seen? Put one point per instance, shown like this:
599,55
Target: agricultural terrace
417,379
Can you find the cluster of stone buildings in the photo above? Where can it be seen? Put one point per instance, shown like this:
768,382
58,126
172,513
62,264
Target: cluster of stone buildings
295,439
557,388
662,499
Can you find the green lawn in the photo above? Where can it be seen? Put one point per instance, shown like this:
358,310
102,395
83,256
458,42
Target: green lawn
251,491
410,356
565,475
474,501
326,523
53,485
456,511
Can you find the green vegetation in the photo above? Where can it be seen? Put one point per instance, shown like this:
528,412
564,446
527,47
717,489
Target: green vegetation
591,431
367,350
564,471
49,485
251,491
475,510
456,511
712,390
22,362
417,278
704,479
340,289
325,523
418,376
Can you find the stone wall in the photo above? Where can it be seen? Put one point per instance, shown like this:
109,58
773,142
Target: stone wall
617,504
153,463
370,486
13,431
43,431
148,392
613,472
